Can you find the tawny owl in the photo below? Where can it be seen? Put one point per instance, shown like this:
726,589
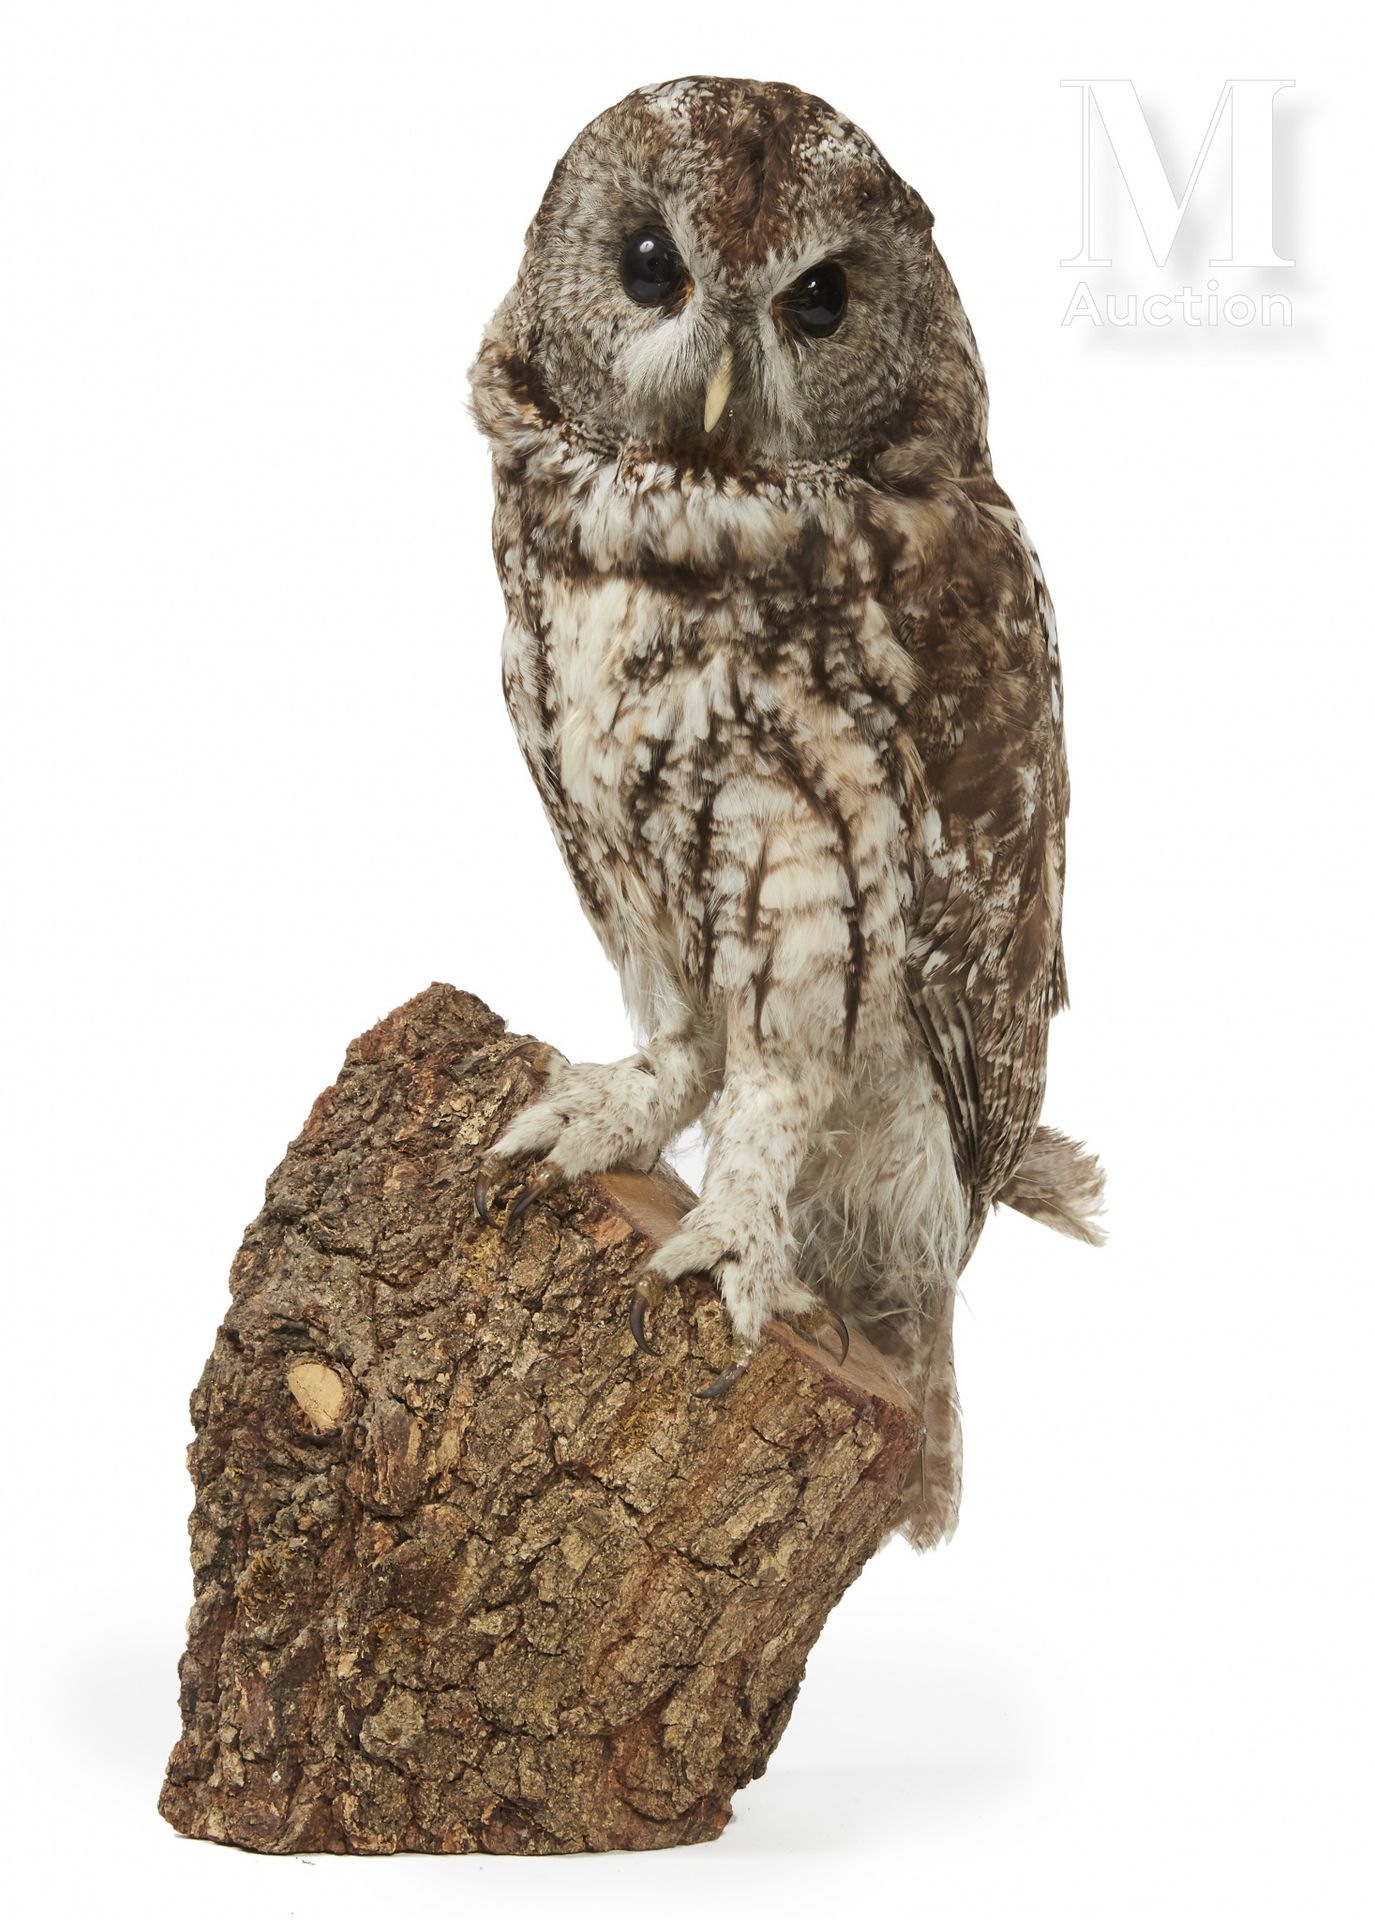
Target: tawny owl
782,663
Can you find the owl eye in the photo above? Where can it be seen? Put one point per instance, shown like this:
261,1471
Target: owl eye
815,301
651,270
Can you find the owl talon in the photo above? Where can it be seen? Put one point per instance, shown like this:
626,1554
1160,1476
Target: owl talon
492,1185
649,1291
826,1316
542,1182
720,1385
538,1053
638,1302
650,1286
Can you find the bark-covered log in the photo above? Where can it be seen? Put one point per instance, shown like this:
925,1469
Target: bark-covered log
473,1572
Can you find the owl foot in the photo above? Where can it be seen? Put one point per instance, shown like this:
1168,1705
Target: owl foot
649,1291
753,1276
592,1118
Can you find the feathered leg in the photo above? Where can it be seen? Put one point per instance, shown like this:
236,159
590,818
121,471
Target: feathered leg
757,1138
880,1218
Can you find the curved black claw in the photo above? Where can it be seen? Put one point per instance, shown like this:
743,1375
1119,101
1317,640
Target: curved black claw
484,1199
537,1052
530,1050
649,1291
844,1332
826,1316
492,1185
639,1300
541,1182
721,1384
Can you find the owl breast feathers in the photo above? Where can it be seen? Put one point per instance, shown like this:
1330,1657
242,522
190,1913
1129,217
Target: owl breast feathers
783,666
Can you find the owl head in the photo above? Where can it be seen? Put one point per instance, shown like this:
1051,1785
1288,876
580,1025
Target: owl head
728,274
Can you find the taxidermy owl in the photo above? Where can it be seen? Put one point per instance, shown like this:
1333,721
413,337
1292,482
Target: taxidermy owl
782,663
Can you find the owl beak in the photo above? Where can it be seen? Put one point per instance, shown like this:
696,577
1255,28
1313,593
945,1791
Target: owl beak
718,391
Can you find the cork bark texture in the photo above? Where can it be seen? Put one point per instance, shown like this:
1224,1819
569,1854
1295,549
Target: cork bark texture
472,1572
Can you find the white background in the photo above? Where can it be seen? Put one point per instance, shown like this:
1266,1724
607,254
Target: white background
261,788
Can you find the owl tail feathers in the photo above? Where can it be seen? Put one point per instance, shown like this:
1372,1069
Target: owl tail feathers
1059,1183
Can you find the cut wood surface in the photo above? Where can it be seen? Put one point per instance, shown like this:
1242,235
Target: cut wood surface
472,1572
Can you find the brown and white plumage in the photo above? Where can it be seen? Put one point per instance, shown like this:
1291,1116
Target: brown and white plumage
788,685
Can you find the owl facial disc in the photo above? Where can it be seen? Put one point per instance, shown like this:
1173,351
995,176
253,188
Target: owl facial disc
718,390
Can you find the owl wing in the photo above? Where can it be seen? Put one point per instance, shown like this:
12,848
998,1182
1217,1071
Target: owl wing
985,968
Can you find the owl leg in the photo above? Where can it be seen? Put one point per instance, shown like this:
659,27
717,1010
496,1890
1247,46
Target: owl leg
738,1233
881,1215
591,1118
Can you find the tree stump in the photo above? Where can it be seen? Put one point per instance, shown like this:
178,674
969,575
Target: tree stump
472,1571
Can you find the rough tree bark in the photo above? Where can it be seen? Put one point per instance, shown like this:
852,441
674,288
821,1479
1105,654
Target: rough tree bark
473,1572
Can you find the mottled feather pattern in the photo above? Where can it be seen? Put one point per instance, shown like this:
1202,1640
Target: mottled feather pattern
790,693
